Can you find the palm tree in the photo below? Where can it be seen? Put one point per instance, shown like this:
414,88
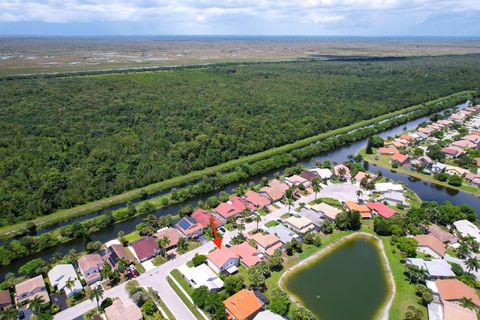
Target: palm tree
97,294
290,196
122,264
341,172
241,227
316,186
351,158
69,284
9,314
463,250
468,303
359,194
257,219
472,263
36,305
106,271
162,244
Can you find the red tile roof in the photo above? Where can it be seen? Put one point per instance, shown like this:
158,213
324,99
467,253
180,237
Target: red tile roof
381,209
248,254
401,158
453,289
220,256
5,298
428,240
90,261
203,216
171,233
451,151
145,247
243,304
256,199
390,151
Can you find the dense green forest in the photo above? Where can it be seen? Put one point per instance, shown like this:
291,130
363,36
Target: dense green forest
67,141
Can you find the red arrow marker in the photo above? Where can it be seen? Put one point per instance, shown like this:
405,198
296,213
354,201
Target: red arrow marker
217,240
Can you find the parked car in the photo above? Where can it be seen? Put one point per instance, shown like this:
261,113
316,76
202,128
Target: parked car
222,230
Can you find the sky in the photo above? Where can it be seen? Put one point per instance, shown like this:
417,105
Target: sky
241,17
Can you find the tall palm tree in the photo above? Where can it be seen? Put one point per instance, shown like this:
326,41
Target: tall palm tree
359,194
9,314
290,196
241,227
342,171
97,294
106,271
162,244
35,305
257,219
472,263
316,186
122,264
351,158
463,250
69,284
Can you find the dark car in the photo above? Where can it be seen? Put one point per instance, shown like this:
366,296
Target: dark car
222,230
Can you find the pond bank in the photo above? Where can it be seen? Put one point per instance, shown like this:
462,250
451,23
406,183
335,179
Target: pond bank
384,308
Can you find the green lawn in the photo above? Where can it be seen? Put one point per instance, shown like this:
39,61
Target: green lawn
177,275
185,300
272,223
162,304
158,260
330,201
75,212
132,236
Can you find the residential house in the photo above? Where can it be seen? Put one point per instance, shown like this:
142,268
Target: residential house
275,183
445,122
420,136
243,305
473,178
473,138
122,309
269,315
427,131
342,171
189,227
452,170
309,175
324,173
267,243
300,224
116,252
455,290
228,210
272,194
385,187
201,275
60,274
441,234
284,233
407,139
90,266
297,180
436,268
311,215
256,200
467,228
223,259
454,311
452,152
438,167
363,210
425,160
381,210
326,210
395,144
145,248
172,234
477,162
249,256
5,299
31,288
428,244
394,199
463,144
203,217
387,151
400,159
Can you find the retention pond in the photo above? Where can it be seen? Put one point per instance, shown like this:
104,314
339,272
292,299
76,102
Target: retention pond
349,281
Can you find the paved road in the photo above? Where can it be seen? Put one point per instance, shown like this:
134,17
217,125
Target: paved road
157,277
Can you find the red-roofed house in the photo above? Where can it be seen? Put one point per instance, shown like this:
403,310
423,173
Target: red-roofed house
342,171
387,151
172,234
145,248
249,256
428,244
473,178
399,158
243,305
189,227
473,138
5,299
407,138
90,266
222,259
203,217
381,209
463,144
427,131
232,208
452,152
256,199
455,290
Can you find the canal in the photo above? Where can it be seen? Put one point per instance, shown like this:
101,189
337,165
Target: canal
348,282
426,191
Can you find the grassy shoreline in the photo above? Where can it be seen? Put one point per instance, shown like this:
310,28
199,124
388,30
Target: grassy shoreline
383,161
66,214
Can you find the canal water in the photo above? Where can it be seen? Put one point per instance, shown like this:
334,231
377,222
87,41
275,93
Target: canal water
426,191
349,282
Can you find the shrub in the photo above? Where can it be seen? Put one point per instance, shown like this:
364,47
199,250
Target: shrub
198,259
107,302
149,308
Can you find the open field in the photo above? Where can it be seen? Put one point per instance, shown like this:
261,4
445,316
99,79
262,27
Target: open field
40,55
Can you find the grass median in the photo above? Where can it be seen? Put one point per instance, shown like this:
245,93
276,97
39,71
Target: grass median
184,298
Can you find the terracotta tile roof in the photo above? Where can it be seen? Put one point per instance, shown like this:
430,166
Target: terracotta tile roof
171,233
337,168
407,137
475,133
274,193
360,208
271,250
390,151
248,254
453,289
265,240
5,298
256,199
401,158
120,251
440,234
226,210
296,179
243,304
425,130
275,183
381,209
188,226
220,256
203,217
428,240
396,143
146,247
453,311
452,151
90,261
463,144
240,204
471,137
120,310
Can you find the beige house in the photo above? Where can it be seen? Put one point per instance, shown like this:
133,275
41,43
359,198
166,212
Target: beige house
120,310
31,288
300,224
